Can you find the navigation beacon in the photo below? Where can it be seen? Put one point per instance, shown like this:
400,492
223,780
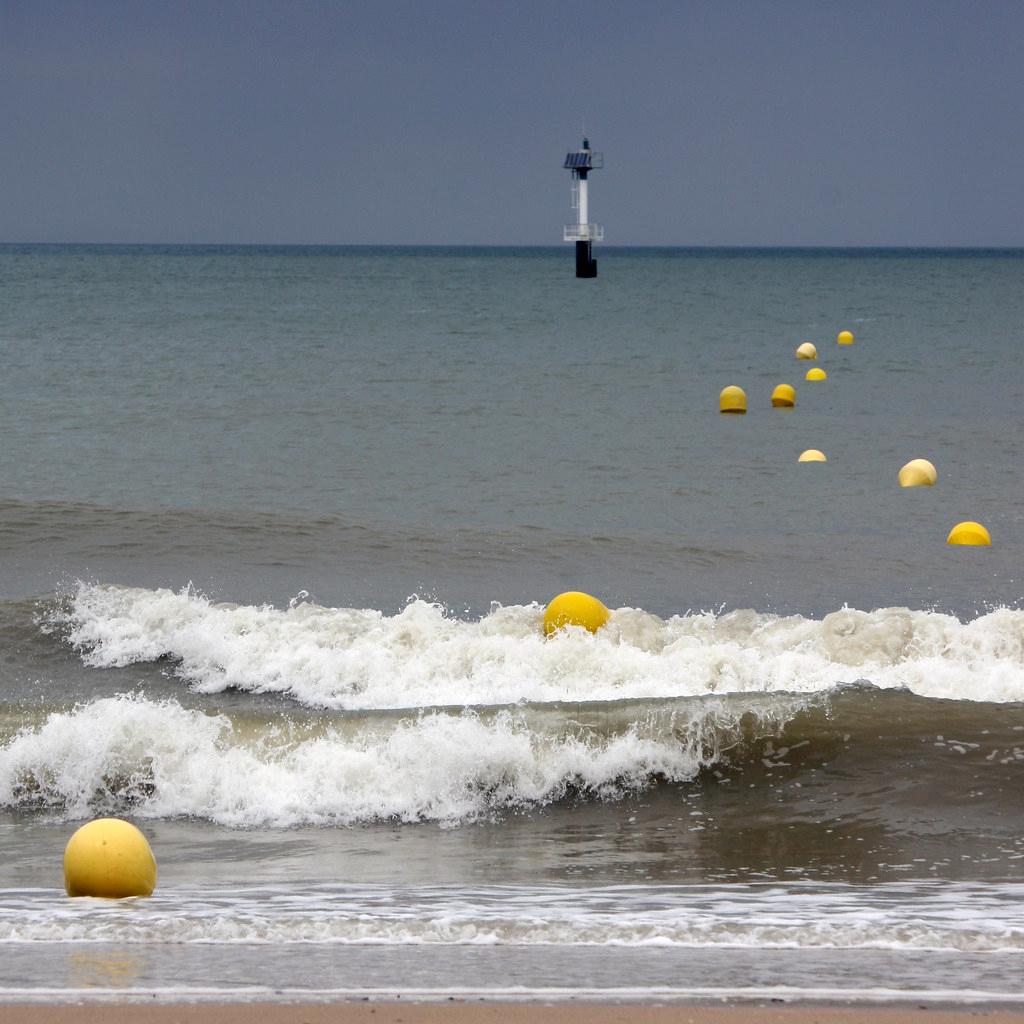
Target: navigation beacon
580,164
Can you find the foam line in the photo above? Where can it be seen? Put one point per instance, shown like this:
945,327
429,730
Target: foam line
526,994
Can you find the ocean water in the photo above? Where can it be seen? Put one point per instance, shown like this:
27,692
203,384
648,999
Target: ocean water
277,530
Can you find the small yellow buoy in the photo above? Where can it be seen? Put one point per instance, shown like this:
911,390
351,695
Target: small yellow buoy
732,399
844,338
816,373
918,473
806,351
812,455
784,396
574,609
109,857
969,533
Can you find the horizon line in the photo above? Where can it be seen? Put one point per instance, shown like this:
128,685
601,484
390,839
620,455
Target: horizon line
554,246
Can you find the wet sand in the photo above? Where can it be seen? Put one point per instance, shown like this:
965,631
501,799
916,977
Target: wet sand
492,1013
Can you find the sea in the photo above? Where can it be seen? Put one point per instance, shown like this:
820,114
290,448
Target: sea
278,526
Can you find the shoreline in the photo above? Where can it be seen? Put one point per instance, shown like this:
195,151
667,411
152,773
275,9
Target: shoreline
864,999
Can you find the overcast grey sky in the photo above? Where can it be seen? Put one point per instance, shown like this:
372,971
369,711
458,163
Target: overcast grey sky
723,122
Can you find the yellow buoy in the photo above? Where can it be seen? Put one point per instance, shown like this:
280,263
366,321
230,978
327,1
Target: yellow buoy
816,373
574,609
969,533
918,473
784,396
732,399
844,338
806,351
812,455
109,857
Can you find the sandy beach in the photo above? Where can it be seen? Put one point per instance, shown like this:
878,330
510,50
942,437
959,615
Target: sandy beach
493,1013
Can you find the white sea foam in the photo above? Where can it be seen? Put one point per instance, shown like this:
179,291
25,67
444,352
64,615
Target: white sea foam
358,658
924,916
163,760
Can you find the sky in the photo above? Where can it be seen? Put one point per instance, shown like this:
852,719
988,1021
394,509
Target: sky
722,122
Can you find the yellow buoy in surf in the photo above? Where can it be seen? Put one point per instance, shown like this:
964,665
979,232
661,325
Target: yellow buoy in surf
806,351
816,373
812,455
732,399
784,396
109,857
574,608
918,473
844,338
969,533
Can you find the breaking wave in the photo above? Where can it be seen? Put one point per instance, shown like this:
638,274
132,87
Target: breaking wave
158,759
362,658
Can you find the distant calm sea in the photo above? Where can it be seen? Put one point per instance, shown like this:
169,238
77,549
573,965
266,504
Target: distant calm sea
277,527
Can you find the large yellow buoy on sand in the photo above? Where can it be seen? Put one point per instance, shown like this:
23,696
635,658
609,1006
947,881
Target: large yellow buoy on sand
574,608
816,373
109,857
732,399
806,351
784,396
918,473
969,533
844,338
812,455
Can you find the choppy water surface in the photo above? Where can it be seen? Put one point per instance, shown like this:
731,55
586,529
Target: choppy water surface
278,529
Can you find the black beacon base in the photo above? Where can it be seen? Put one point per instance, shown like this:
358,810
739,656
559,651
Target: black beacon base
586,265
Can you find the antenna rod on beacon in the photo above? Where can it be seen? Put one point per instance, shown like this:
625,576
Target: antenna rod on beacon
579,164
